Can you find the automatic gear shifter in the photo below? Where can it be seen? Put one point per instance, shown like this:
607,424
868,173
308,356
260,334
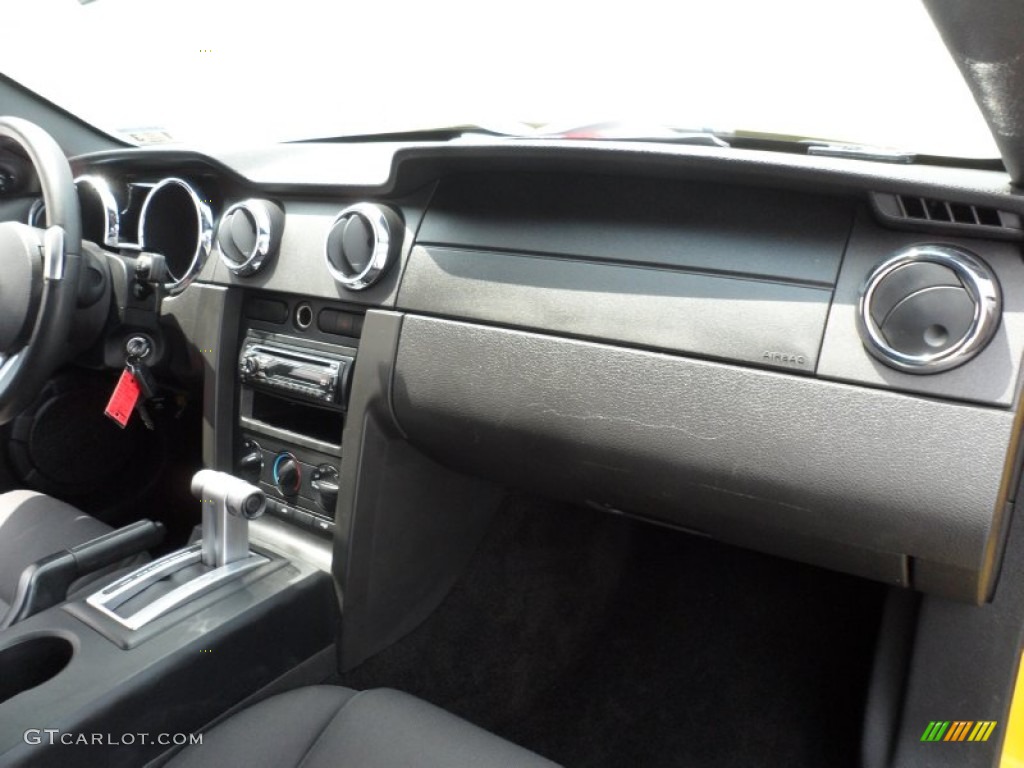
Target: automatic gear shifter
228,506
163,585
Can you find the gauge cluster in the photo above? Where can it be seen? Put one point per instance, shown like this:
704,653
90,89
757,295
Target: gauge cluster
170,216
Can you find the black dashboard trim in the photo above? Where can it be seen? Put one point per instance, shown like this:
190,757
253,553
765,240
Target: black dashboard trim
387,169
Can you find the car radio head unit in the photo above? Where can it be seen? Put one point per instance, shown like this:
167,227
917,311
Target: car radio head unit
295,372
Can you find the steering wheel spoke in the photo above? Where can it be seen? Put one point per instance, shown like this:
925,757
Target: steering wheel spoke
54,256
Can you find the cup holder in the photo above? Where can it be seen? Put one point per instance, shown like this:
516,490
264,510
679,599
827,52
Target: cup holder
31,662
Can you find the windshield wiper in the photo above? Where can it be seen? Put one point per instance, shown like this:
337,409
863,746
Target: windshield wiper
614,131
738,139
858,152
433,133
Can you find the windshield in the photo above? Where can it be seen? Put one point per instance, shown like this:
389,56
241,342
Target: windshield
216,72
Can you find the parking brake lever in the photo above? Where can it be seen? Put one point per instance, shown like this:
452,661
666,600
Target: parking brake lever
45,582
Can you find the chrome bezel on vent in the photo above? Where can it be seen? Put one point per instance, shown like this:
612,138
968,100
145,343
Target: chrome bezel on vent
261,250
204,234
976,278
379,259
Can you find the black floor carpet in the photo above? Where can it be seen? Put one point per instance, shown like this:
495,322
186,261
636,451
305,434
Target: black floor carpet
598,641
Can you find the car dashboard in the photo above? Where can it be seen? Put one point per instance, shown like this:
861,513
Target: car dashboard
810,356
488,375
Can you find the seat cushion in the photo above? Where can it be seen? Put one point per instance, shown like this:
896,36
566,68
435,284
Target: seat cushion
32,526
333,727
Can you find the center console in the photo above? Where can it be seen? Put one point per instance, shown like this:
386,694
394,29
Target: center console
199,631
295,363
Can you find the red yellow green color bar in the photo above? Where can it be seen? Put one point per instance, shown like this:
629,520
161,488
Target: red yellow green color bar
958,730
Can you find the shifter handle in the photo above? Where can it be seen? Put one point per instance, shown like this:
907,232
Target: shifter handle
242,499
228,505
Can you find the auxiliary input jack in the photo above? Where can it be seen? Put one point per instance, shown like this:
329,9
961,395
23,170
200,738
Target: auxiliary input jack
303,316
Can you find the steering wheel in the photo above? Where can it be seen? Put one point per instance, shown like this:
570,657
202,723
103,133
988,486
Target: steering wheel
39,274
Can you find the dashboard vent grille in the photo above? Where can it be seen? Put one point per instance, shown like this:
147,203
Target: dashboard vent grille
939,210
944,215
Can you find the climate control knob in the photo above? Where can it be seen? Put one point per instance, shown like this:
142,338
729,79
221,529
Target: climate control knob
250,462
324,482
287,474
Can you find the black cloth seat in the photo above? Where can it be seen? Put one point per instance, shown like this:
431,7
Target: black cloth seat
334,727
33,526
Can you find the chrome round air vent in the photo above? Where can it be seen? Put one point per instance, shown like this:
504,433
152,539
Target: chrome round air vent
101,218
249,235
929,308
177,223
361,244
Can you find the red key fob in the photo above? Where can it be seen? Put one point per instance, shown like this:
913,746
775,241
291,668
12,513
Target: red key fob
122,402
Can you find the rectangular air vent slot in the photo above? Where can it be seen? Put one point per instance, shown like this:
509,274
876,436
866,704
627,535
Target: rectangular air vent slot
936,210
963,214
913,207
990,217
917,212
